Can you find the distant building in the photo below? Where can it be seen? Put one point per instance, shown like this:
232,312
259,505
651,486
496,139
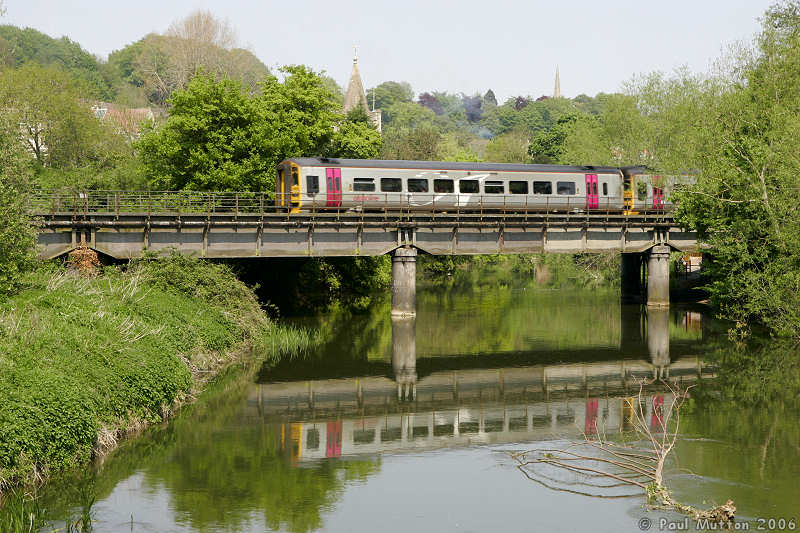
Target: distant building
126,119
557,88
355,96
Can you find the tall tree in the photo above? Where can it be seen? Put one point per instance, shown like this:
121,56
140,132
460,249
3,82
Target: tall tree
17,233
221,137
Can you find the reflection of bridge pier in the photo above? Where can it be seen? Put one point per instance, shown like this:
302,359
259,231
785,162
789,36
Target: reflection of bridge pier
658,341
404,356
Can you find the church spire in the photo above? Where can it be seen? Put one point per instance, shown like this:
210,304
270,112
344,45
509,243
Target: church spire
557,89
355,96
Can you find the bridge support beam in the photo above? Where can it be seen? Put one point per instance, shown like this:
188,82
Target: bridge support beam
632,282
658,277
404,282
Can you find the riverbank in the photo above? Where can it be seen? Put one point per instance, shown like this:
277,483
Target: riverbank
86,361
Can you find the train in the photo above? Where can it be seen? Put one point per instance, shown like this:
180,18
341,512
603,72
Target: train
318,184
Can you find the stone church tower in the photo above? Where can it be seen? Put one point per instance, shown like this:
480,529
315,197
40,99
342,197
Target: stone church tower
355,96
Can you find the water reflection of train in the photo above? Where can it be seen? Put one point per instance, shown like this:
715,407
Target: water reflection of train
340,417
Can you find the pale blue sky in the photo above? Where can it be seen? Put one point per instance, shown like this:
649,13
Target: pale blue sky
470,45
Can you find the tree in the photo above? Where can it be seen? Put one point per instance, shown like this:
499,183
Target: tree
58,126
744,149
549,146
416,144
161,64
390,92
511,147
220,137
17,233
473,107
489,98
27,46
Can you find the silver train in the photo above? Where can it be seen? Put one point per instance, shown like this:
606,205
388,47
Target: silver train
319,184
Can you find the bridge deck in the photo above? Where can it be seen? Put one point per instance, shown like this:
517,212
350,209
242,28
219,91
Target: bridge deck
227,226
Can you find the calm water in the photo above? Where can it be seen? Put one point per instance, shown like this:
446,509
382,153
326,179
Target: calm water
407,425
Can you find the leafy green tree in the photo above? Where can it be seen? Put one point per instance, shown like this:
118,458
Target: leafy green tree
27,46
416,144
748,187
357,140
57,124
17,233
408,115
549,146
219,137
389,93
511,147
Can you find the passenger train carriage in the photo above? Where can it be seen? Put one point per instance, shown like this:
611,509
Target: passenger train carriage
317,184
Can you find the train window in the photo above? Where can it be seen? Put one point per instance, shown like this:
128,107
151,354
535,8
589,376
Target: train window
641,191
468,186
417,185
542,187
605,189
364,184
295,179
443,185
312,439
565,187
391,185
312,184
493,187
518,187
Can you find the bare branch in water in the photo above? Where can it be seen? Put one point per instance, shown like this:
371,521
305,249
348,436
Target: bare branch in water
642,468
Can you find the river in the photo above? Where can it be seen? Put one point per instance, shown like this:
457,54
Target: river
409,425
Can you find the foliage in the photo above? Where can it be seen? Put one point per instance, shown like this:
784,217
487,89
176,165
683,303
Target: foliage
549,146
219,137
17,233
158,64
511,147
421,143
389,93
96,356
20,47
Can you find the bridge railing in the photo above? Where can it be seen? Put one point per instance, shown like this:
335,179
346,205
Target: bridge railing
85,203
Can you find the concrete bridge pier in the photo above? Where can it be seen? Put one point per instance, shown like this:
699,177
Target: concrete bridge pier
658,277
404,282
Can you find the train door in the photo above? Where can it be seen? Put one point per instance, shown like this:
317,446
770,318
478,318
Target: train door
333,446
590,426
658,194
592,197
334,182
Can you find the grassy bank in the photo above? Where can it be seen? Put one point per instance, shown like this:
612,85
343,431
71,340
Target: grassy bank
85,361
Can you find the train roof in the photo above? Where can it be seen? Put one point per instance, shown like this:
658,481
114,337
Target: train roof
451,165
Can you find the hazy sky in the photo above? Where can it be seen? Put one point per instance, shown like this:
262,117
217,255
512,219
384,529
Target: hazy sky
465,46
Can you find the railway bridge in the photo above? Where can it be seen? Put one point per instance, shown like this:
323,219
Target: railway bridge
123,225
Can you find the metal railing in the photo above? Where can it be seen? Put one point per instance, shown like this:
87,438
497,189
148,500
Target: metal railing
86,203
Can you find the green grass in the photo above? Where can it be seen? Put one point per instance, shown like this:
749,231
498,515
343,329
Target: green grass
83,361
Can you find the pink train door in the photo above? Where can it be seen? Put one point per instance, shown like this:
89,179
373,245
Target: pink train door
658,197
333,446
334,176
590,427
592,198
